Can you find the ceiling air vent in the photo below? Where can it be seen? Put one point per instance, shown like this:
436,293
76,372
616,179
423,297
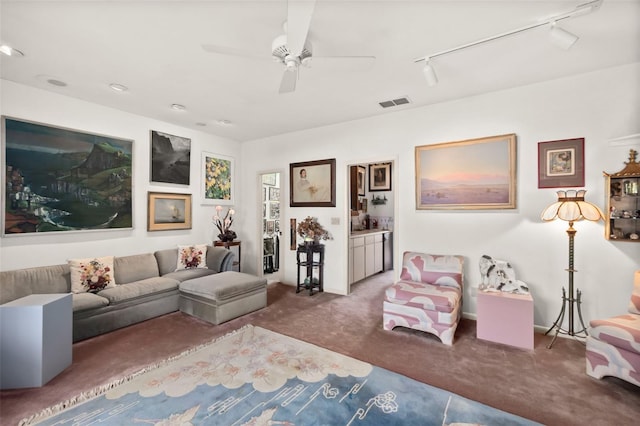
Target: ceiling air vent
395,102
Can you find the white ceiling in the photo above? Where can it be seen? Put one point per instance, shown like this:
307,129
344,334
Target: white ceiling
155,49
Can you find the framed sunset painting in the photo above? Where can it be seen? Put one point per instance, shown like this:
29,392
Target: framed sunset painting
469,174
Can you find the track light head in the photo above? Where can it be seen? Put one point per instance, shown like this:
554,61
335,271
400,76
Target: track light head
562,38
430,74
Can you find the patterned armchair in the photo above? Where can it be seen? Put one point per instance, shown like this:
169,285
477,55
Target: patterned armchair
428,296
613,345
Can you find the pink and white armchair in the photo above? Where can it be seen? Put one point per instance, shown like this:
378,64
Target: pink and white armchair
428,296
613,345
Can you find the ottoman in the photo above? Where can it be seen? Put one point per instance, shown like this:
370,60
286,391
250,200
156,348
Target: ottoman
222,297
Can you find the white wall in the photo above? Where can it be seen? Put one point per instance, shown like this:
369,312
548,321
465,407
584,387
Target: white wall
22,251
598,106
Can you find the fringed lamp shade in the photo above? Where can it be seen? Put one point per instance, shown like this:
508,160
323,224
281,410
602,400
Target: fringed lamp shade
572,207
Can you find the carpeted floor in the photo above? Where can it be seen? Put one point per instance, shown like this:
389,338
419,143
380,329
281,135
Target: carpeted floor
548,386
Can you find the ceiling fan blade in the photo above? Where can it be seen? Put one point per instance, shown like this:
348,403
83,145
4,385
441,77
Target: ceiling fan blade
343,63
232,51
288,83
299,14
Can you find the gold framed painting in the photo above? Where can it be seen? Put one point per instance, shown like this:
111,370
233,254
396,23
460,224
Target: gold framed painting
168,211
467,175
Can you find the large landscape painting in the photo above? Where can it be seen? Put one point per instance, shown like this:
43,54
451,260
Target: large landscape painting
470,174
64,180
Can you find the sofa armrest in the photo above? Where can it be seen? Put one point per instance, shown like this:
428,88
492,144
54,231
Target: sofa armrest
219,259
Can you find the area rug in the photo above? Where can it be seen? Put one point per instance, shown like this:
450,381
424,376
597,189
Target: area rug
254,376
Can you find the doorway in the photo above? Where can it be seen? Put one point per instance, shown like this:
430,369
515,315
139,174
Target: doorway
270,225
371,211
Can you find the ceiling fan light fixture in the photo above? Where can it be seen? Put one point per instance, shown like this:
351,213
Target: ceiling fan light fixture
561,37
430,74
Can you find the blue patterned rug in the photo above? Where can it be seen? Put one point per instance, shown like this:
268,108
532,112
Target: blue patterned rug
254,376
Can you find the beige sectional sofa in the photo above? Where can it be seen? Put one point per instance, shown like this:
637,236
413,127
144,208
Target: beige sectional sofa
148,285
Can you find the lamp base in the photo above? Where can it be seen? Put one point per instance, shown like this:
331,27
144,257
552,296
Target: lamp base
568,302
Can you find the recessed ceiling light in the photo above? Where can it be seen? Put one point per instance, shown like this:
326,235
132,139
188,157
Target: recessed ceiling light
10,51
178,107
224,123
201,124
118,87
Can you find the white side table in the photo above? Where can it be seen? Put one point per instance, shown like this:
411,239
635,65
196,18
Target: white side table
36,339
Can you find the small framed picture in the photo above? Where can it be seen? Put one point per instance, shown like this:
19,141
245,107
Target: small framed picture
362,178
218,179
379,177
561,163
167,211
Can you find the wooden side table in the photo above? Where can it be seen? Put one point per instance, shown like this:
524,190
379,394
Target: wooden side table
228,245
505,318
310,258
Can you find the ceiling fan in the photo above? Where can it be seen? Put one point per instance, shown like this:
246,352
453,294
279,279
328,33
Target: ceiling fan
293,48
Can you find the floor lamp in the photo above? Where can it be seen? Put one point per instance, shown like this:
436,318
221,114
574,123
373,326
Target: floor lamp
570,207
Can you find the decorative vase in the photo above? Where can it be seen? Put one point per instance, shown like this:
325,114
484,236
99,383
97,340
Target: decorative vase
227,236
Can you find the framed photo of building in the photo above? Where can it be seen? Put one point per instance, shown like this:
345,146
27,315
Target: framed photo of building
170,158
471,174
313,183
167,211
218,179
64,180
380,177
561,163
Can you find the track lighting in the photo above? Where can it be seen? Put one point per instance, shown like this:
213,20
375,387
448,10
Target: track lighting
561,37
430,74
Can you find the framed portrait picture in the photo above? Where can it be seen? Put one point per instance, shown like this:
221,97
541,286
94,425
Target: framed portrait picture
470,174
561,163
362,178
167,211
218,180
170,158
380,177
63,180
313,183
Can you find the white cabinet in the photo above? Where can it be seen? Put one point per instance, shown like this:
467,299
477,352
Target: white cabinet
358,259
365,256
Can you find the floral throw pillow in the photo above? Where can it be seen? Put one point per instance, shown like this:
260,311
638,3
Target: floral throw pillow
190,257
92,274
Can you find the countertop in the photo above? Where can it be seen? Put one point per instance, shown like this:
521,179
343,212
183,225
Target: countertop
369,232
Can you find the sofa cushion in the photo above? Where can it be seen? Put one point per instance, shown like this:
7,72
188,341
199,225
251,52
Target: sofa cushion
91,274
442,270
41,279
188,274
138,289
190,257
129,269
224,285
86,301
622,331
424,296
